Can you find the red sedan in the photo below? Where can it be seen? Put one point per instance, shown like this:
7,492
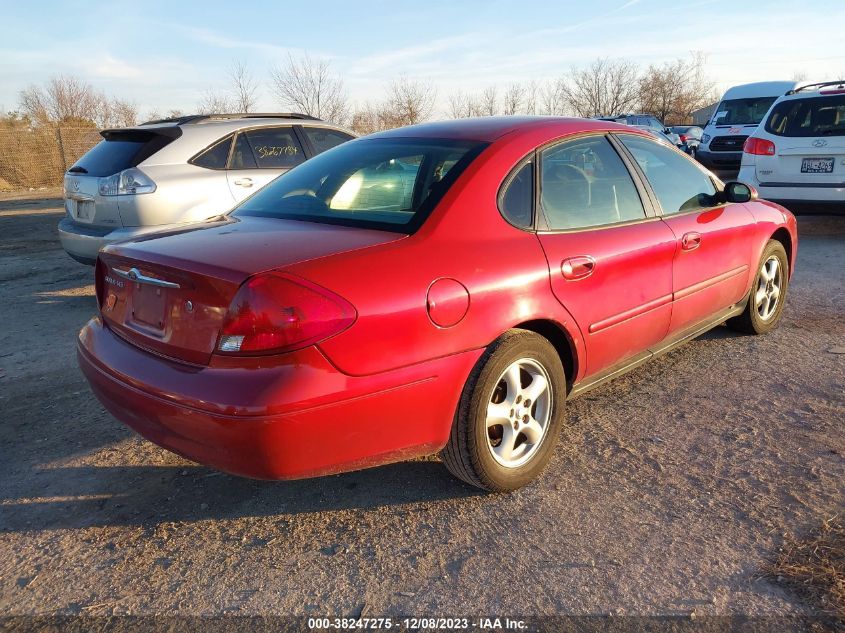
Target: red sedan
445,286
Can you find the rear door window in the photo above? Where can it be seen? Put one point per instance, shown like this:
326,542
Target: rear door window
119,151
274,148
815,116
584,183
242,156
322,139
679,185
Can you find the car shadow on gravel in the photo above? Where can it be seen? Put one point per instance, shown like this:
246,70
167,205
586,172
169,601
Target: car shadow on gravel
146,496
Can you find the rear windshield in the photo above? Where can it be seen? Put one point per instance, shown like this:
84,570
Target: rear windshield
388,184
119,151
815,116
742,111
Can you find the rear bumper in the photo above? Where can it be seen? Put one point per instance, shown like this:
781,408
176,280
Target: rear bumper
82,242
297,417
790,195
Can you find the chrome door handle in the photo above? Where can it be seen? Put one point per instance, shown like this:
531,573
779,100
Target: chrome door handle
244,182
691,241
578,267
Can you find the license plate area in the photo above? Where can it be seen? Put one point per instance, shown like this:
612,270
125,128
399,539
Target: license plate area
817,166
82,210
149,308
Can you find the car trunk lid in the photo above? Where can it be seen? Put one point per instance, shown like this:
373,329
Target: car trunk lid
170,294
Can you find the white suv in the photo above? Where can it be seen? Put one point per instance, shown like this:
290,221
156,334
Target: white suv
797,155
148,178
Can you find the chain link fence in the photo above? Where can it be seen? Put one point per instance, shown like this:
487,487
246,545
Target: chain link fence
37,157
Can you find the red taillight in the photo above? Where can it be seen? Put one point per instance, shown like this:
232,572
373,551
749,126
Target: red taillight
758,146
274,313
683,138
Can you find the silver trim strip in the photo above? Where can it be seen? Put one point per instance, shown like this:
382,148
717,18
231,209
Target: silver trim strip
133,274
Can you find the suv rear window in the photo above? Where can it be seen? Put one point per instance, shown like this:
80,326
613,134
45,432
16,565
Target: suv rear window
814,116
389,184
118,151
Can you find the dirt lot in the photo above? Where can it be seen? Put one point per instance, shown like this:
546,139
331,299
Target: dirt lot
671,489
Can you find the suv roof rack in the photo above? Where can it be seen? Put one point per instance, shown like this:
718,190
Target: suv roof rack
840,83
196,118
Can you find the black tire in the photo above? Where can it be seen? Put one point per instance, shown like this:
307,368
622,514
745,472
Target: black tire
468,455
751,321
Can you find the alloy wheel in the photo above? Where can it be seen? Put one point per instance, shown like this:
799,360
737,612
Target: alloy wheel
519,412
767,296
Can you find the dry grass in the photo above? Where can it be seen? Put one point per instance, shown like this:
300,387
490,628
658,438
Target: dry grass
815,567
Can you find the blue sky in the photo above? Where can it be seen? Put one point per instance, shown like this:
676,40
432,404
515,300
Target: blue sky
164,55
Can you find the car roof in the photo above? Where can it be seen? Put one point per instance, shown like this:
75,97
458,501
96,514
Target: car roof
490,128
224,123
759,89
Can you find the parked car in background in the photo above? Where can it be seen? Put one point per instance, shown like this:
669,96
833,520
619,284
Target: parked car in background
735,118
171,172
646,122
690,137
668,138
445,286
797,155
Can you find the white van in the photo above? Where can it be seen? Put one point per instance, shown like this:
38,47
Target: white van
736,117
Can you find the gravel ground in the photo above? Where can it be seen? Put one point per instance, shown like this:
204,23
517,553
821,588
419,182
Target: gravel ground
669,491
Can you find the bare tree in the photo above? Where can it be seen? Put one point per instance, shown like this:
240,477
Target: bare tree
553,97
513,99
309,86
489,101
62,99
605,87
531,97
410,101
462,106
673,91
214,102
243,87
119,113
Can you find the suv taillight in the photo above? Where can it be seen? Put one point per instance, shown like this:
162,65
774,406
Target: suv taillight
127,182
273,313
758,146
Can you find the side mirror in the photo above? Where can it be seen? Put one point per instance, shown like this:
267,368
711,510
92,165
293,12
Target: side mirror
739,192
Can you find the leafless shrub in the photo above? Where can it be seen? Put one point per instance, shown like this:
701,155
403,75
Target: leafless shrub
308,86
62,98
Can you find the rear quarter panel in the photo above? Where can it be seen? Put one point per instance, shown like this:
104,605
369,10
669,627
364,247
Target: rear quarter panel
771,217
184,193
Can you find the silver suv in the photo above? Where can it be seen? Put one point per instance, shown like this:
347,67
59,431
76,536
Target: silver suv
170,172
